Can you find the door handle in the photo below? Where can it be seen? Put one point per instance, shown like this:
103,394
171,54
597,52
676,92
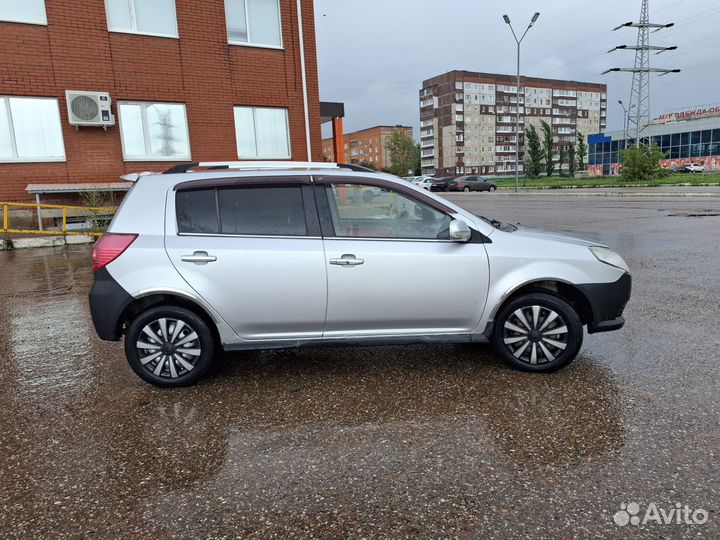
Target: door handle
347,260
199,257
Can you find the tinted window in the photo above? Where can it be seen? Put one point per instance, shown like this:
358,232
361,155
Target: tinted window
262,210
372,212
196,211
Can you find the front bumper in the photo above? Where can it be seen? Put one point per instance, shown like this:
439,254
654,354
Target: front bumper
607,301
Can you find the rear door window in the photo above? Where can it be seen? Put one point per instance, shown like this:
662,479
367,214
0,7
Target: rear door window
242,210
196,211
276,211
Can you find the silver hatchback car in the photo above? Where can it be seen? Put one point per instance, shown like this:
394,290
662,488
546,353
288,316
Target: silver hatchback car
241,256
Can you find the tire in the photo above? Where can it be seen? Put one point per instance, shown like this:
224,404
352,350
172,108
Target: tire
466,189
537,308
165,346
492,188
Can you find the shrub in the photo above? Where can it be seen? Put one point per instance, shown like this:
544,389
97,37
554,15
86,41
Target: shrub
642,163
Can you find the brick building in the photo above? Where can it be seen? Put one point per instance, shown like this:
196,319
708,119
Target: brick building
468,120
189,81
367,145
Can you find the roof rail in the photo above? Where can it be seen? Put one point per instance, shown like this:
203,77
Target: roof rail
251,165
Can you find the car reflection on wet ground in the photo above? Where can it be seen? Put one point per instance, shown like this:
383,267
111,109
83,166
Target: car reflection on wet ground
414,441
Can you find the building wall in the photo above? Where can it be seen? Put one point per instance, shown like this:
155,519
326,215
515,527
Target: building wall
75,51
473,116
367,145
692,141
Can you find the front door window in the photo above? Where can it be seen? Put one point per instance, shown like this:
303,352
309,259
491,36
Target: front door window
365,211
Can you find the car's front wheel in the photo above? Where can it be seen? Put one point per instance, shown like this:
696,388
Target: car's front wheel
466,189
169,346
538,332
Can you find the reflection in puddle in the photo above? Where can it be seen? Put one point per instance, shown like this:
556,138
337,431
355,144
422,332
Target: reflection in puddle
274,431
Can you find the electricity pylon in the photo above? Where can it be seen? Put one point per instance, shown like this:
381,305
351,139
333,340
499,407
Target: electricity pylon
639,109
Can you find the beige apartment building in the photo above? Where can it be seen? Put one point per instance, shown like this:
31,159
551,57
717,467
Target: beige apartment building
468,120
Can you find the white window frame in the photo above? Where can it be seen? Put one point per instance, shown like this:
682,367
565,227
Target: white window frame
133,22
249,43
5,102
255,124
28,21
146,132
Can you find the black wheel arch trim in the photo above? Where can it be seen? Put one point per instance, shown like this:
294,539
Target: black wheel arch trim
108,301
111,305
604,301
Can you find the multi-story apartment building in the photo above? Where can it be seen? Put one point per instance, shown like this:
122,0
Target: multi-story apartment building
187,81
366,146
468,120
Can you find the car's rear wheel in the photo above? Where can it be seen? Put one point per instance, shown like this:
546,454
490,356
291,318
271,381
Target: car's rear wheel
466,189
169,346
538,332
492,188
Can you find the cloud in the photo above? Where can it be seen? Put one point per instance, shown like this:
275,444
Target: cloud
374,54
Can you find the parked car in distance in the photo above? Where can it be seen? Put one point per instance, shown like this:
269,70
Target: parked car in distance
694,168
441,184
470,183
423,182
255,256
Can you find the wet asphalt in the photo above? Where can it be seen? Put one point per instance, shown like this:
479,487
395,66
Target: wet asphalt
393,442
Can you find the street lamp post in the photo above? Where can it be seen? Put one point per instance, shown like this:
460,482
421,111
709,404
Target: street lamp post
517,94
625,121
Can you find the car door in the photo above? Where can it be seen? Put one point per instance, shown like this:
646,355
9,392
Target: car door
251,248
378,258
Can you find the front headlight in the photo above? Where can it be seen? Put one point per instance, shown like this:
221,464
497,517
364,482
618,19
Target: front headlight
608,256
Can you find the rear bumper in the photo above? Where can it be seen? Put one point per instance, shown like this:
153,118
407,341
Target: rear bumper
608,301
108,300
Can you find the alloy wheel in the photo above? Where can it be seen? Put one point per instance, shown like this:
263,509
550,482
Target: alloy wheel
535,334
168,348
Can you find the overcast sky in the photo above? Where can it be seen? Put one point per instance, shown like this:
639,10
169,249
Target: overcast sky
374,54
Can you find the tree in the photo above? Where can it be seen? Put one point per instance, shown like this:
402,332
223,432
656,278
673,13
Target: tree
572,160
404,153
534,152
642,163
417,170
581,151
548,149
561,161
367,165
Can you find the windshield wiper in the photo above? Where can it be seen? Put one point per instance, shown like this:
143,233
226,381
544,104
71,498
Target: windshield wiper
505,227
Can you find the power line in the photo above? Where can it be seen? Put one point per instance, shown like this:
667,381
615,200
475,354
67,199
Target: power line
638,114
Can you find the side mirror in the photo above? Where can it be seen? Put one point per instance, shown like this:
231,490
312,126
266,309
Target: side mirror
459,231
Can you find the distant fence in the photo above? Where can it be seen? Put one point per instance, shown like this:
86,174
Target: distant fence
54,219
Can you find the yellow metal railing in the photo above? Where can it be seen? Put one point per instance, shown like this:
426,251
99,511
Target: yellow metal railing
76,211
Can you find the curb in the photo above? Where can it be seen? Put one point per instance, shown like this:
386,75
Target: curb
49,241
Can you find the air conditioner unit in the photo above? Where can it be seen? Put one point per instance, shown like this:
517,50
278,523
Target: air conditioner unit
89,108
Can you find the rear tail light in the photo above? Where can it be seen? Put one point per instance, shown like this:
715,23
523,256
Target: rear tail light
109,247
